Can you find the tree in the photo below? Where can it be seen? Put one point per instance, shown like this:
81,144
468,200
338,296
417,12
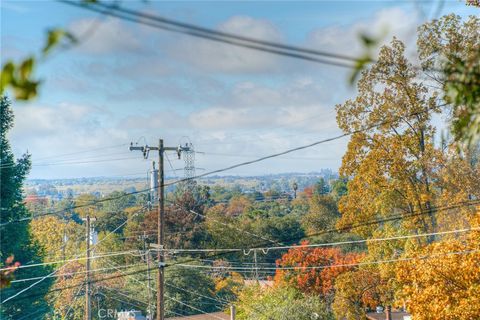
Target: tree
113,213
321,187
190,285
356,291
58,239
339,188
15,238
322,214
228,286
280,303
450,53
443,282
313,270
392,161
7,275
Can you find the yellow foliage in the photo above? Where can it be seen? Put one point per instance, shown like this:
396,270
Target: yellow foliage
447,284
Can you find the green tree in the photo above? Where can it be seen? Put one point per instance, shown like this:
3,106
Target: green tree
339,188
280,303
322,214
113,213
192,286
321,187
15,238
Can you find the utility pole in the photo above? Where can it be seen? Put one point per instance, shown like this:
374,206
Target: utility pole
255,260
160,219
88,309
233,312
149,287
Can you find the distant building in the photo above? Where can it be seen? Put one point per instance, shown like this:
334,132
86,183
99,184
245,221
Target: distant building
393,316
261,283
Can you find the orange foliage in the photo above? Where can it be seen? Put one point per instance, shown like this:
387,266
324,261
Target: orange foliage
329,263
308,191
238,205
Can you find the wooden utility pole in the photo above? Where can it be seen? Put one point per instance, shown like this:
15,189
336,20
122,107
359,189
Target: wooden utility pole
144,237
233,312
160,219
88,309
161,235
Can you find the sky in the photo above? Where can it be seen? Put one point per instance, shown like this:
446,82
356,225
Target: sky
126,82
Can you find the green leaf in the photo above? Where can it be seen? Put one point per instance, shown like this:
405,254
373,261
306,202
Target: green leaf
26,90
55,36
26,68
360,64
7,75
368,41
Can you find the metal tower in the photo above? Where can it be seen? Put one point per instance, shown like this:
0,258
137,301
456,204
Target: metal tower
188,153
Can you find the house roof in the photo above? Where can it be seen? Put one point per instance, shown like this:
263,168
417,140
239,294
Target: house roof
206,316
382,316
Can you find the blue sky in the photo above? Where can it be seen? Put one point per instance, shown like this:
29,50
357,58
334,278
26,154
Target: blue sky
126,82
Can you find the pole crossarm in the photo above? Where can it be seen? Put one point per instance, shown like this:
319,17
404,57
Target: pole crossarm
161,216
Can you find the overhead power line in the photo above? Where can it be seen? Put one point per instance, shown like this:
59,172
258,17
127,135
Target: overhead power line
55,271
235,228
347,228
326,244
381,123
77,285
310,145
218,36
74,273
432,256
113,254
63,163
83,151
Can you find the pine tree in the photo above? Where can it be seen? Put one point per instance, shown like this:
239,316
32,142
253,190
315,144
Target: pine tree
15,238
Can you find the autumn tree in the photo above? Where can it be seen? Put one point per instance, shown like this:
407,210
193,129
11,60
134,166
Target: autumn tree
395,168
356,291
449,50
313,270
442,280
229,285
392,160
58,238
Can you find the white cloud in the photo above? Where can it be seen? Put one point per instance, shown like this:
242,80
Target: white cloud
385,24
283,103
34,120
104,36
217,57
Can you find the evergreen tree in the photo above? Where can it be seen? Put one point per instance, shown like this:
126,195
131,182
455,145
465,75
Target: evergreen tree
15,238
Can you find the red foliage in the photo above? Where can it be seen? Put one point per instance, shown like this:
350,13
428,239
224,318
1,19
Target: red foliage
6,275
314,269
308,191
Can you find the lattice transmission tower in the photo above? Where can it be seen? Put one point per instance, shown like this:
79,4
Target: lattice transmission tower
188,153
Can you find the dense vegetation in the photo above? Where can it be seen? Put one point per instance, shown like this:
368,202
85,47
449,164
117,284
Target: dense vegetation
382,234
